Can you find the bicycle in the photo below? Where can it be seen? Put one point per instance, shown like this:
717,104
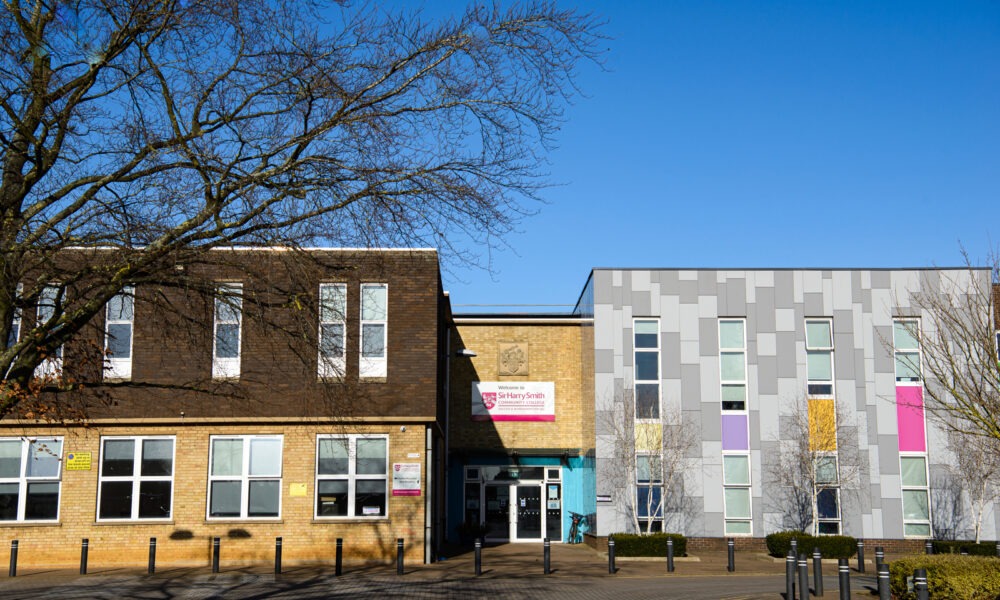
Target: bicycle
574,529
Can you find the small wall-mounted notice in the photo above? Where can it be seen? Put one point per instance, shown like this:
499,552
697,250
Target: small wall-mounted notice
513,401
604,497
297,490
78,461
406,479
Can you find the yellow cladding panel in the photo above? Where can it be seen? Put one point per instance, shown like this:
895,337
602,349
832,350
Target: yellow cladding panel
648,437
822,426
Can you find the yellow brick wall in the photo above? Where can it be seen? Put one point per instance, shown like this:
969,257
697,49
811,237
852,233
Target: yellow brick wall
187,539
554,354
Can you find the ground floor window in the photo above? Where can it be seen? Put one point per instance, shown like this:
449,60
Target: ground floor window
736,494
245,476
136,478
649,492
30,478
352,476
916,501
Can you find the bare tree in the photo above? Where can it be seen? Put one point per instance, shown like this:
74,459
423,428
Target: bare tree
166,128
817,462
647,465
975,469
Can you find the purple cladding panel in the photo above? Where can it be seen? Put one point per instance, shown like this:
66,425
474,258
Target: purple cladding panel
734,432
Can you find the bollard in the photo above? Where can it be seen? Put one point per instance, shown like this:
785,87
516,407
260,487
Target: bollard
844,576
215,555
803,577
879,557
861,557
277,556
790,576
817,572
670,555
340,557
731,548
546,557
151,567
12,571
883,582
84,550
479,556
611,556
399,556
928,547
920,584
795,547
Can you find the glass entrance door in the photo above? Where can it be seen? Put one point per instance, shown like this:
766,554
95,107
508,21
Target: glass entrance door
497,509
528,504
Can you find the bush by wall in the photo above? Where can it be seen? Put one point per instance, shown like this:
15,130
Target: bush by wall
974,549
653,544
831,546
948,576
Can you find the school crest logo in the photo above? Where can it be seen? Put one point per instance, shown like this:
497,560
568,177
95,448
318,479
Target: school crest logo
489,400
513,360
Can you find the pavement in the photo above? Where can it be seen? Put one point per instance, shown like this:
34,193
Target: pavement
577,572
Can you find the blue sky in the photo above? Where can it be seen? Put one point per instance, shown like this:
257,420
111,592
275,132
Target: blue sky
766,134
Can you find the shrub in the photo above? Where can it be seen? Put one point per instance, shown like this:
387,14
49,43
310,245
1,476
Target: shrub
948,576
974,549
831,546
653,544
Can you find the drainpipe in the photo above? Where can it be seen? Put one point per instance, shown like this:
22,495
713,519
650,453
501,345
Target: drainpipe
428,503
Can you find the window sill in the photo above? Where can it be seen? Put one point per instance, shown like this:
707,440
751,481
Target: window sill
30,524
104,522
349,520
243,521
373,379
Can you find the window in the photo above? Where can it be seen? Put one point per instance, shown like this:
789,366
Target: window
137,478
733,363
997,346
228,316
49,301
15,324
646,342
906,345
649,492
29,479
374,299
916,505
819,357
351,476
332,314
118,335
245,477
828,495
736,491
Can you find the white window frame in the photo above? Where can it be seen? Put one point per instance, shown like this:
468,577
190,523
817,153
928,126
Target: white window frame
23,480
723,383
828,485
897,351
748,487
352,476
15,322
655,418
52,365
244,478
228,295
137,478
925,489
811,384
332,367
374,366
119,367
654,482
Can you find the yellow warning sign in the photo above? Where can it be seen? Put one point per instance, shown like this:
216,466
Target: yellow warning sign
78,461
297,489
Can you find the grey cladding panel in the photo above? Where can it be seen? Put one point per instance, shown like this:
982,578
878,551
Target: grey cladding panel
670,346
706,283
767,375
604,361
641,304
688,292
736,297
691,387
711,424
888,455
708,333
763,310
786,348
814,304
784,289
669,283
881,280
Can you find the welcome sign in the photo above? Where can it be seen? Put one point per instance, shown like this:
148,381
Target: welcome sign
513,401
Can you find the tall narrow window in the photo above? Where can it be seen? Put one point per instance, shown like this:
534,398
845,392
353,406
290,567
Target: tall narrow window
649,492
137,476
228,319
646,334
48,302
332,315
352,475
374,320
736,490
245,477
916,501
733,363
827,495
15,323
118,335
906,345
819,356
30,479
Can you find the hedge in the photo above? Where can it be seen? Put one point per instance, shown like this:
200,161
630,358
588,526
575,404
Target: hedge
831,546
653,544
974,549
948,576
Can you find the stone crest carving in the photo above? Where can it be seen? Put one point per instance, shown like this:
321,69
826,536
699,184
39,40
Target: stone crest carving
513,359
